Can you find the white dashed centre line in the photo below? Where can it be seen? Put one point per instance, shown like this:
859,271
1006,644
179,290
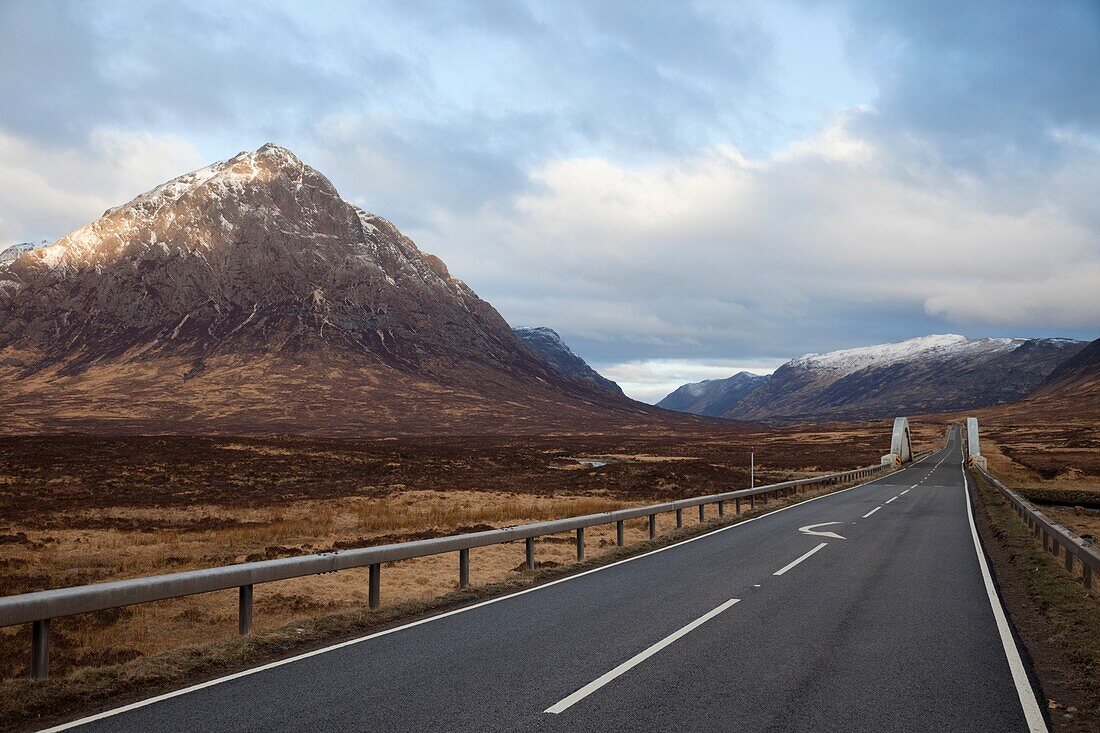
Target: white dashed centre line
567,702
871,512
890,500
788,566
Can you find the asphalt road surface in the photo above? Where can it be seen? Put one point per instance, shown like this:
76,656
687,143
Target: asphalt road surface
886,625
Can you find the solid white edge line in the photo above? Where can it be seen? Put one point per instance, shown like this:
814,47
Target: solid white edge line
272,665
792,564
566,702
1032,713
871,512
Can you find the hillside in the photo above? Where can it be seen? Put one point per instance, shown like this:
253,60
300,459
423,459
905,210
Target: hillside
250,297
554,351
1080,374
712,397
12,252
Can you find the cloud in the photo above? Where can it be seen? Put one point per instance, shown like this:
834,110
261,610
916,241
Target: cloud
51,192
982,84
185,67
693,181
718,254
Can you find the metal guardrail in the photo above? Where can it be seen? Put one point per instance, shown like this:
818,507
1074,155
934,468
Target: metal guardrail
40,607
1056,539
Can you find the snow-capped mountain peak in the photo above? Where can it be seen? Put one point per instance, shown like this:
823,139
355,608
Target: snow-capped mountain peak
935,346
554,351
936,373
12,252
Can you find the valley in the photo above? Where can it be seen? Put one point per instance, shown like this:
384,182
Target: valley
127,506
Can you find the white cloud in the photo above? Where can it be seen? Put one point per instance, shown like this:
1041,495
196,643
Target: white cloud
46,192
765,256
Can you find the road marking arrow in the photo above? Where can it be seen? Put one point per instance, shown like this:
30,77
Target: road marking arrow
809,529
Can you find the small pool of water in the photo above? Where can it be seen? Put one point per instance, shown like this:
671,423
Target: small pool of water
589,462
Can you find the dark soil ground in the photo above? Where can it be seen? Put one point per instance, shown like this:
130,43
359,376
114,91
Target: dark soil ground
49,481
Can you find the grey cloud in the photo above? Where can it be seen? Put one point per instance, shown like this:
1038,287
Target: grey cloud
206,69
983,83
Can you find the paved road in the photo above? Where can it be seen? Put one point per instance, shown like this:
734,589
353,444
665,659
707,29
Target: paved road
757,627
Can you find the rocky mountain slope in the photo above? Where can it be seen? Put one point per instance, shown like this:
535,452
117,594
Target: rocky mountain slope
1080,374
712,397
1048,439
249,296
937,373
12,252
554,351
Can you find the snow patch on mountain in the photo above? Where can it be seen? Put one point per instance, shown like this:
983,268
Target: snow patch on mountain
548,334
12,252
934,347
554,351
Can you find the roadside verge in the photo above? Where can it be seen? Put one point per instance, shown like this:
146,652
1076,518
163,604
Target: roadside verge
1055,617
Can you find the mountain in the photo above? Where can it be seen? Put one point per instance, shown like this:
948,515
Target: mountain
11,253
554,351
712,397
939,373
1080,374
248,296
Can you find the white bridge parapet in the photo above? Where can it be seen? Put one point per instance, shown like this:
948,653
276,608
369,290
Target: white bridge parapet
973,445
901,446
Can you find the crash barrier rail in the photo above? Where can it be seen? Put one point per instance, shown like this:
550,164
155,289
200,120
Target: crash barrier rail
40,607
1056,539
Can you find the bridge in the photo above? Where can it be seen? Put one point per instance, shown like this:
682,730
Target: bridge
868,608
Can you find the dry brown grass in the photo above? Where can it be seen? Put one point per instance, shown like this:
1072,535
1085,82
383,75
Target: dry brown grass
160,645
52,558
57,558
126,507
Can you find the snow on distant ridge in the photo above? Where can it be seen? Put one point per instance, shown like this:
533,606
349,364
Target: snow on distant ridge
11,252
548,334
936,346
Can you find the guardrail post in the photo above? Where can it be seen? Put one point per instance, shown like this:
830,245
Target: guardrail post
652,526
619,533
374,586
679,518
40,649
580,544
702,516
464,568
721,508
1069,561
530,547
1086,575
752,501
244,610
737,507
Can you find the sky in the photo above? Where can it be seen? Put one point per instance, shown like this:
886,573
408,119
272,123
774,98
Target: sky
681,189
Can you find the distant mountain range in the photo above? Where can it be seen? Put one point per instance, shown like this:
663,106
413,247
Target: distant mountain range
250,297
554,351
939,373
712,397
